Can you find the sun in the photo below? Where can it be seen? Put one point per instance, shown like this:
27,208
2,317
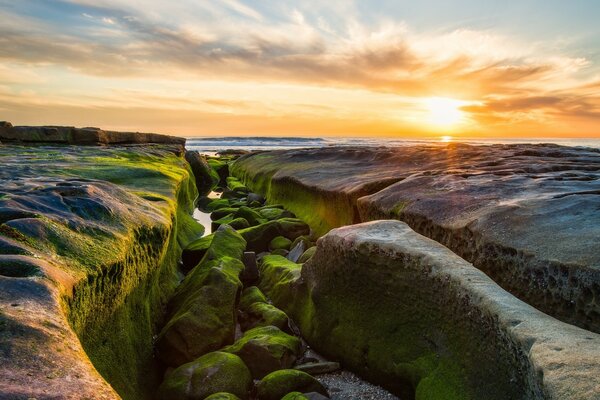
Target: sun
444,112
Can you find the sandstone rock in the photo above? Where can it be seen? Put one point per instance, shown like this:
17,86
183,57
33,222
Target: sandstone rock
208,375
96,232
206,177
497,206
278,384
266,349
478,340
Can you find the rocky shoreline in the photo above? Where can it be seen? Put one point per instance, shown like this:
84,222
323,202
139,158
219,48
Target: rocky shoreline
109,289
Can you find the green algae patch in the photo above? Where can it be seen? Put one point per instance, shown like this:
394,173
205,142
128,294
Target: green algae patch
210,374
278,384
266,349
114,221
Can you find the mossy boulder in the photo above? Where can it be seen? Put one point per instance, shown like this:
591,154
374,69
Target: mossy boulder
222,396
253,217
239,223
194,252
266,349
216,204
277,274
251,295
235,185
223,212
280,242
295,396
263,314
202,315
259,237
221,167
278,384
211,374
280,252
272,213
206,178
307,254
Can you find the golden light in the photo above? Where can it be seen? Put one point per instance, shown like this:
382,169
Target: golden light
443,112
446,139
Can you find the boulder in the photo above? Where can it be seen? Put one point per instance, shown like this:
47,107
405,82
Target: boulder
263,314
202,315
223,212
278,384
235,185
280,252
280,242
209,375
304,396
250,273
239,223
272,213
194,252
251,295
407,313
307,254
296,252
206,177
222,396
259,237
316,368
255,198
266,349
253,217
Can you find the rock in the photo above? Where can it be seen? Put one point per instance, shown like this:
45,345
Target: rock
317,368
305,240
307,254
280,242
266,349
255,198
208,375
94,234
263,314
280,252
222,396
223,212
206,177
259,237
271,213
496,206
296,252
202,314
221,167
251,295
253,217
250,273
80,136
239,223
294,396
216,204
384,277
279,383
194,252
235,185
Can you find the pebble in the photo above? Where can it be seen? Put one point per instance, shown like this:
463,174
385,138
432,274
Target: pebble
344,385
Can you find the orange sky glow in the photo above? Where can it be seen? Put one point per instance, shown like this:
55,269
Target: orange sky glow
233,67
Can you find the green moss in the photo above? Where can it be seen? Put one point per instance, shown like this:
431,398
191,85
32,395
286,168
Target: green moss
234,184
253,217
266,349
294,396
307,254
259,237
263,314
210,374
251,295
398,209
280,242
222,396
278,384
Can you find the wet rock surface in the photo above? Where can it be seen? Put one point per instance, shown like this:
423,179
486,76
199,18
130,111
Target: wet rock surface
526,215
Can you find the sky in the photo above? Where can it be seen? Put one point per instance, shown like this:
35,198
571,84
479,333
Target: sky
419,69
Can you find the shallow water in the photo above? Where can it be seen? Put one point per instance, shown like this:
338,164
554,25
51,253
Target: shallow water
204,218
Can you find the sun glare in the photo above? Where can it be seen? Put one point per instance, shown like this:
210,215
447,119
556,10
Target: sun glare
444,112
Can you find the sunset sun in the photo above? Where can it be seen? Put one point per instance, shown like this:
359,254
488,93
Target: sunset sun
443,112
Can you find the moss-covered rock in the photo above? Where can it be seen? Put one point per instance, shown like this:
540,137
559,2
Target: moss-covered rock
235,185
239,223
226,220
295,396
280,242
202,315
278,384
210,374
266,349
277,274
222,396
194,252
221,167
259,237
206,177
272,213
307,254
223,212
280,252
251,295
263,314
253,217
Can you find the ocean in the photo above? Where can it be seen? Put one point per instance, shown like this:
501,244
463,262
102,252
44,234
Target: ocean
215,144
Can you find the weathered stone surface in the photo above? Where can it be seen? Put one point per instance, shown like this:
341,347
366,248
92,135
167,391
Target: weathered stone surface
408,313
89,242
81,136
278,384
210,374
526,215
